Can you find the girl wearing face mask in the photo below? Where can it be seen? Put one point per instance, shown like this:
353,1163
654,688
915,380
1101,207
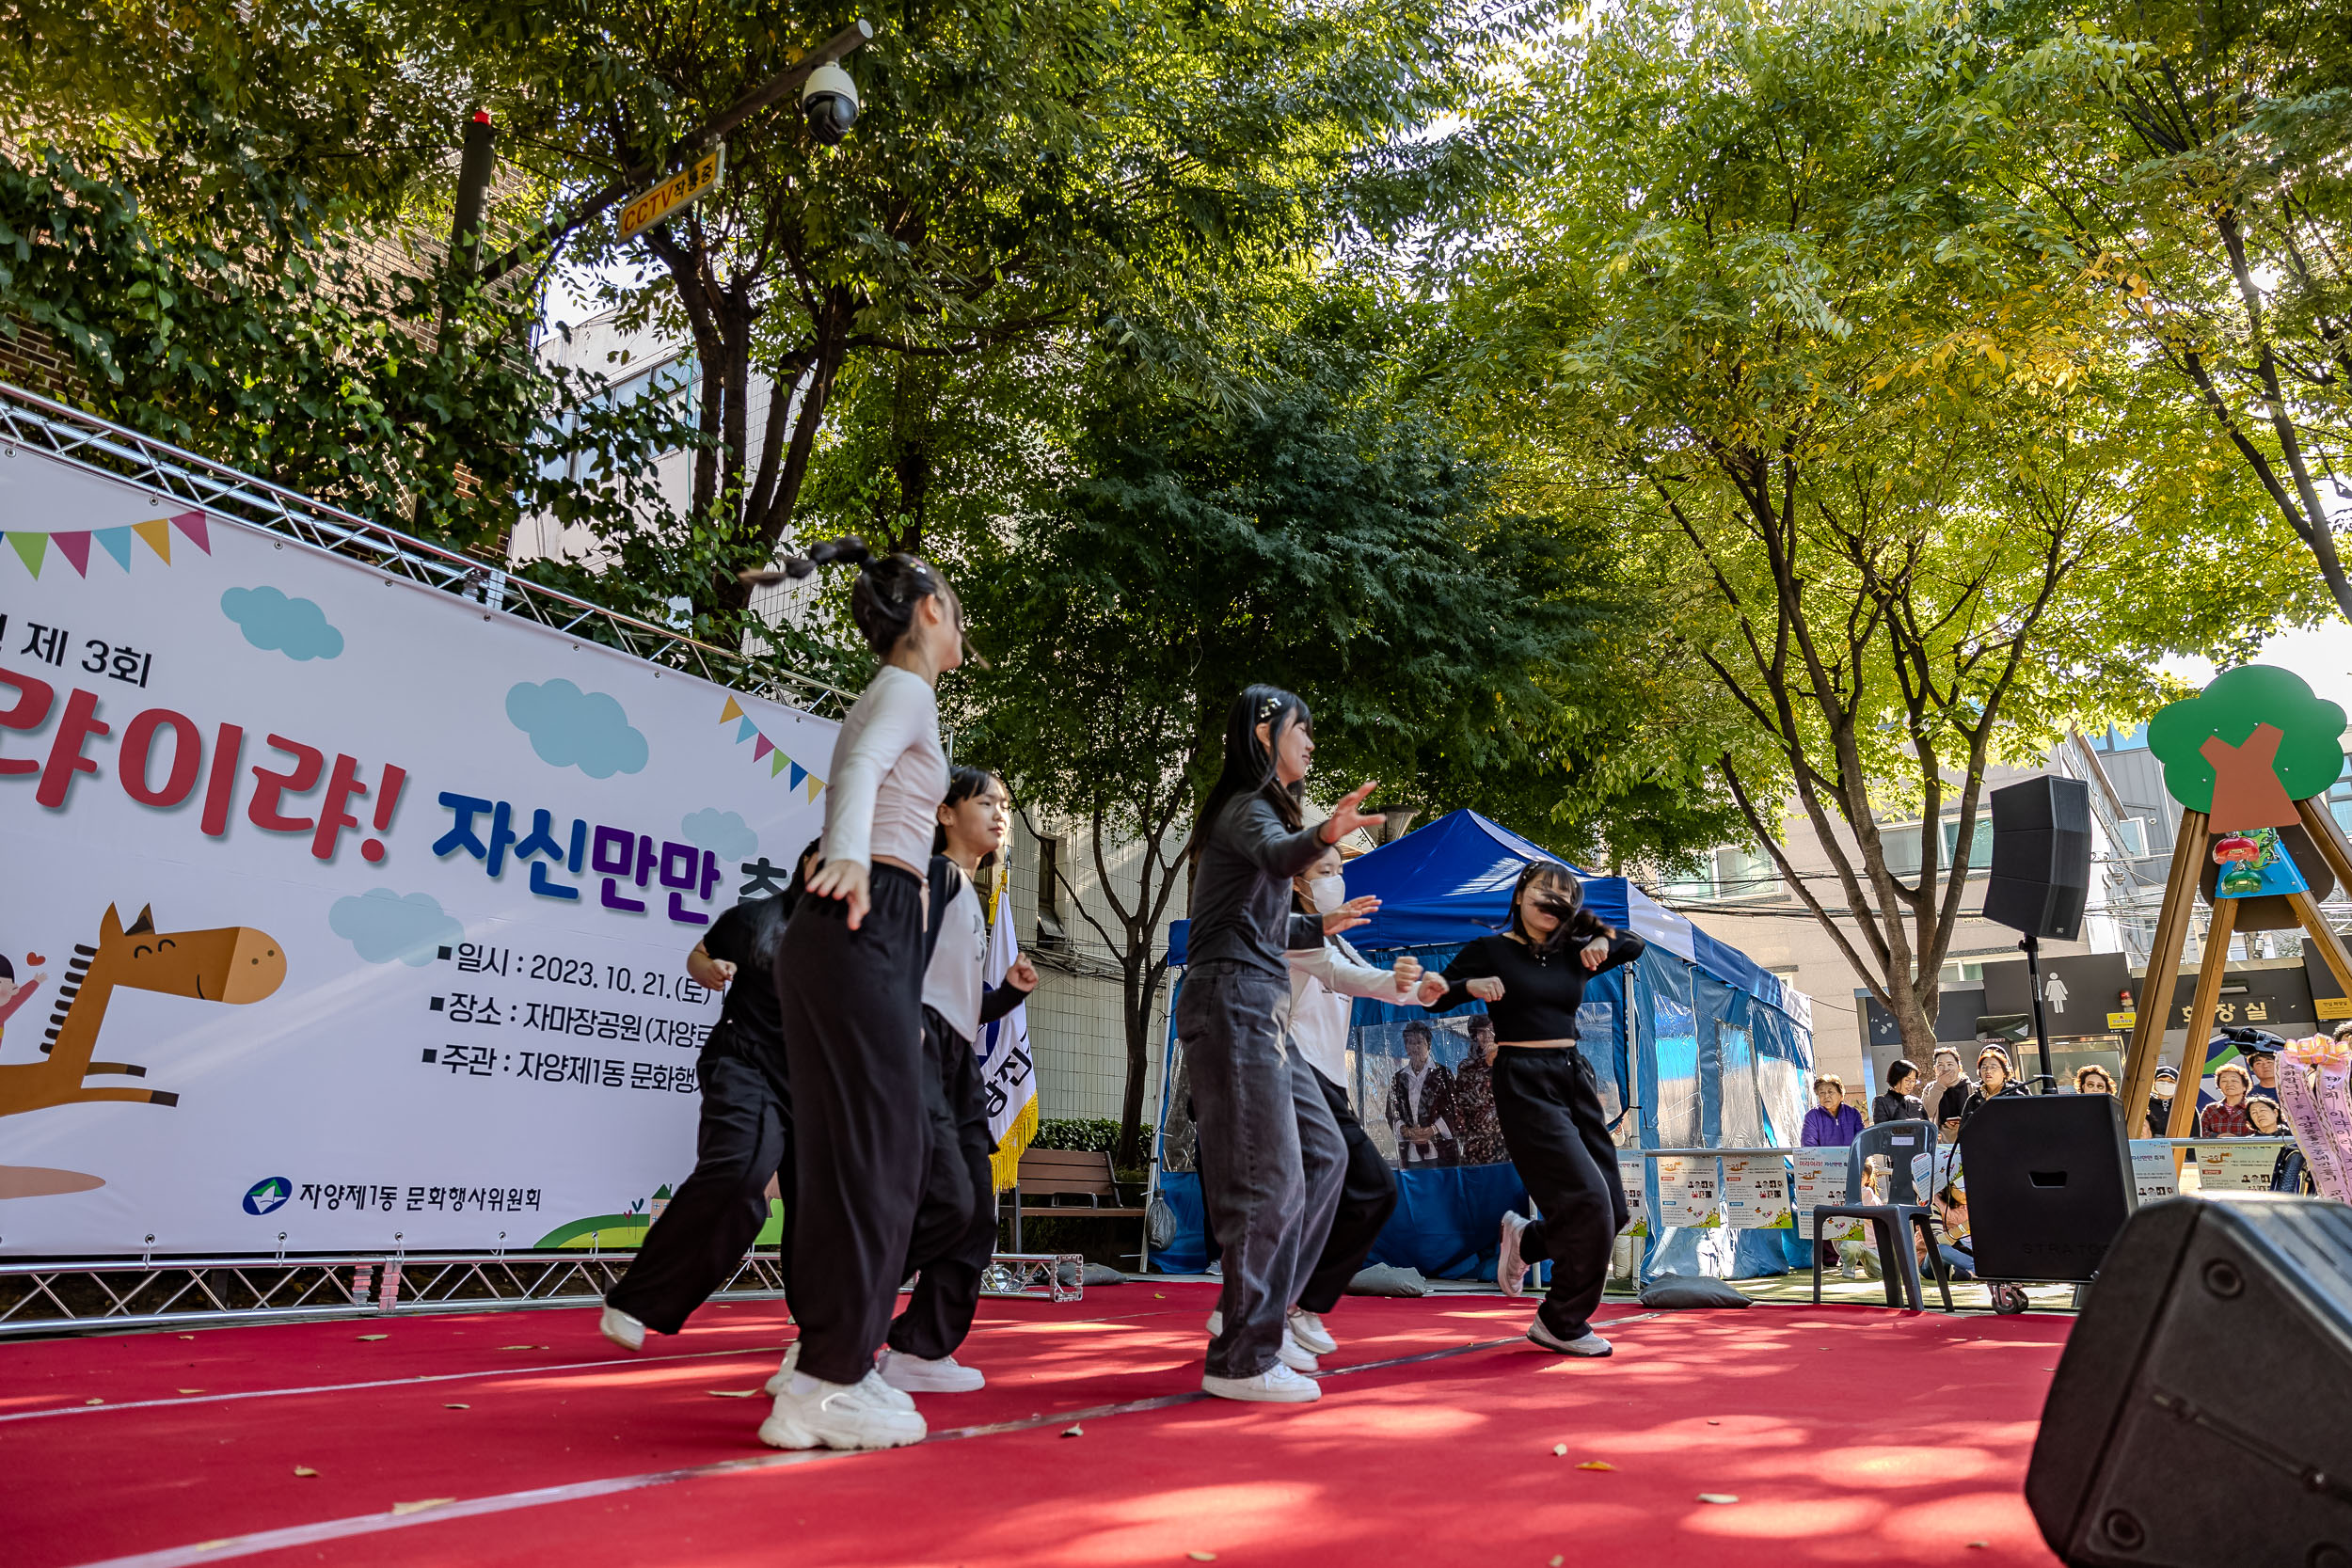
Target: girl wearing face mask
1324,978
1270,1152
1532,978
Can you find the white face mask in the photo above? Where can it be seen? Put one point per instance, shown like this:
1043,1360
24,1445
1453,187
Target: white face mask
1328,893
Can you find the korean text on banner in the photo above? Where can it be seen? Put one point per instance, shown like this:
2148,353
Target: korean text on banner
2152,1169
365,908
2241,1169
1007,1078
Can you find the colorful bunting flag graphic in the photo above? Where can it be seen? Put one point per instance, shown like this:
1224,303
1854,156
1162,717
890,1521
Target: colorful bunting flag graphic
74,544
768,750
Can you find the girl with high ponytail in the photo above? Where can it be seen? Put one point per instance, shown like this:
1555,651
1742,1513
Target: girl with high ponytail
849,979
1272,1158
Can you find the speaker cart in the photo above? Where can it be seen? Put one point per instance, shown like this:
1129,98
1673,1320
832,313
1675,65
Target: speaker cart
2251,759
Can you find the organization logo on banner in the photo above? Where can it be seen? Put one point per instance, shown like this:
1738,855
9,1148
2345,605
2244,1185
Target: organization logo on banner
268,1194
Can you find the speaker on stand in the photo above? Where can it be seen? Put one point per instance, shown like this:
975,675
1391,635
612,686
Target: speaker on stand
2041,875
2199,1415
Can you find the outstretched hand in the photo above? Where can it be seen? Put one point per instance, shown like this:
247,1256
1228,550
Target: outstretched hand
1345,819
1408,972
1433,990
1355,913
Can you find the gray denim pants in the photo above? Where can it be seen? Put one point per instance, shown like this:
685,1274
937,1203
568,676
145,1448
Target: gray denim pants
1272,1160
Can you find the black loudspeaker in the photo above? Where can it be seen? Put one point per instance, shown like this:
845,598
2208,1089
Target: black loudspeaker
2049,1184
2041,857
2199,1415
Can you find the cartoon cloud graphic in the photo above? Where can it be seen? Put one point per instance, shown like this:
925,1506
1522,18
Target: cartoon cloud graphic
724,833
386,927
295,627
571,728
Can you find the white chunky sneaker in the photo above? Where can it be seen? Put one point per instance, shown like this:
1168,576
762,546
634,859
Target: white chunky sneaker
898,1398
1276,1385
1307,1328
913,1375
1510,1272
839,1416
621,1329
781,1378
1589,1344
1297,1357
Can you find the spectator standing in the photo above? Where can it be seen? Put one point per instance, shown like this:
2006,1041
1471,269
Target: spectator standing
2160,1102
1996,1079
1832,1123
2227,1118
1421,1106
2263,1064
2093,1079
1945,1064
1901,1102
1474,1096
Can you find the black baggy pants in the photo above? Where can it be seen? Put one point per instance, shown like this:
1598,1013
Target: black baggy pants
1556,1133
852,1005
1367,1199
955,1230
745,1137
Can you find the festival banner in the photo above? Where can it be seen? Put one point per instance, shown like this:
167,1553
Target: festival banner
1007,1072
345,911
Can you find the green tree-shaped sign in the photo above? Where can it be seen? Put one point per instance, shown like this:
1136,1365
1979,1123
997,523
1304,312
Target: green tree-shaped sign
2250,746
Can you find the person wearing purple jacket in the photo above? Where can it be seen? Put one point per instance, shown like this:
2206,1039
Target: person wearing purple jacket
1832,1123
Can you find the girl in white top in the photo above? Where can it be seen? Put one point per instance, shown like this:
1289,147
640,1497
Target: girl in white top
849,979
1325,980
955,1232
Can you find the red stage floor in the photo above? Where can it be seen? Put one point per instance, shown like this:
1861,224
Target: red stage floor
1848,1435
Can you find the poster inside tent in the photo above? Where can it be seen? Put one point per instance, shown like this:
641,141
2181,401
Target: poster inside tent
340,907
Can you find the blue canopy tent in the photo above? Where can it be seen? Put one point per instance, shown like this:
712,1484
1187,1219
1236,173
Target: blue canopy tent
1703,1046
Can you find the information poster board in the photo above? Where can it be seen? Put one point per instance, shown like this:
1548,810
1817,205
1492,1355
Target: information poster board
1689,1191
2242,1168
345,912
1633,1175
1818,1177
1755,1192
2152,1169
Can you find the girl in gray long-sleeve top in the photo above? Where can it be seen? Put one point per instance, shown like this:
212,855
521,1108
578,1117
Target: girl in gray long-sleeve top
1270,1150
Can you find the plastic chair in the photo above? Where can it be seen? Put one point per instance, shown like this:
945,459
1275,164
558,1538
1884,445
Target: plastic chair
1893,1221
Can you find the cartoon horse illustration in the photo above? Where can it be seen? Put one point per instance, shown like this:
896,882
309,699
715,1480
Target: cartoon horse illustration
232,963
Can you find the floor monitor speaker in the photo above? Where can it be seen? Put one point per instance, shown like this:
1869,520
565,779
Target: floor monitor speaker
2200,1414
2049,1184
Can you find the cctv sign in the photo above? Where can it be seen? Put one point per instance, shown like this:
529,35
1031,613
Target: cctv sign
681,190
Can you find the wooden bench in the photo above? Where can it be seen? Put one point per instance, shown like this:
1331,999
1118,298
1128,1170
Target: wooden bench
1067,1183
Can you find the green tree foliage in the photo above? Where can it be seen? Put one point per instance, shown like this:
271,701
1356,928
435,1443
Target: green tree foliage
2190,159
2310,757
1321,534
1015,172
1912,507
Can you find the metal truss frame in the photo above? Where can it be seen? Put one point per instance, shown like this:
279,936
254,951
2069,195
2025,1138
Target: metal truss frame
180,478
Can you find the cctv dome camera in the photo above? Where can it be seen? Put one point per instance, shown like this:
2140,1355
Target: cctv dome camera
828,99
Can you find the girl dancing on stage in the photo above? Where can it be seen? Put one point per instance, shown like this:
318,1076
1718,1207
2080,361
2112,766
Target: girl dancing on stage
956,1235
746,1133
850,974
1271,1155
1532,978
1323,980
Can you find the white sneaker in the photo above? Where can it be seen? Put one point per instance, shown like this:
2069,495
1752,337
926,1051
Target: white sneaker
1276,1385
1307,1328
1297,1357
1589,1344
839,1416
781,1378
898,1398
621,1329
913,1375
1510,1272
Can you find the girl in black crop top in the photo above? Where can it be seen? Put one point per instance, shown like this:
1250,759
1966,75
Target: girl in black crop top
1532,978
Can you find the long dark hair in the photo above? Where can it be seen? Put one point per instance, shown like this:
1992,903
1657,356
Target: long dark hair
1250,765
888,587
1561,894
963,783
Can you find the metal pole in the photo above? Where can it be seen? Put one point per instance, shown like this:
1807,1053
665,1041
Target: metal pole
2032,945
